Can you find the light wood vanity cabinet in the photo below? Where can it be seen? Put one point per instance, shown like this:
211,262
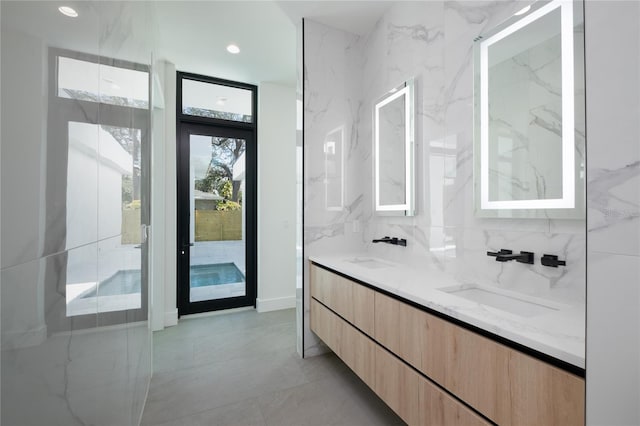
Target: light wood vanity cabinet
399,328
398,385
351,301
396,342
353,347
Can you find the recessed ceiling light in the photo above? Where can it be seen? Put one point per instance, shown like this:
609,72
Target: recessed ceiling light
68,11
523,11
232,48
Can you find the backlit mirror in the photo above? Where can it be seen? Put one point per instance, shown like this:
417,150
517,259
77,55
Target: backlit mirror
334,169
393,151
529,114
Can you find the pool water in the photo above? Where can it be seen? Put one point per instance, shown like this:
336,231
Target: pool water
215,274
122,282
128,281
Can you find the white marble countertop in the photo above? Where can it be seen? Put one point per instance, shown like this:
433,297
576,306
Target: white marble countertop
557,332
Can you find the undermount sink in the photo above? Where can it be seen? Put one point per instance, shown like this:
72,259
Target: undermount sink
508,301
368,262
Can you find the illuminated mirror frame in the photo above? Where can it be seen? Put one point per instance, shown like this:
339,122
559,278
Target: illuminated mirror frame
407,90
334,138
568,138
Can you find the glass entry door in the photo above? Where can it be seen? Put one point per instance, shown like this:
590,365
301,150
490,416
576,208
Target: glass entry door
216,220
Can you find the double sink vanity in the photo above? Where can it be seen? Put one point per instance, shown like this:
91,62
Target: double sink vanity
438,352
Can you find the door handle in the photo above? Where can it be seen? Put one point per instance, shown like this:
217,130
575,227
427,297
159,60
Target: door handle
185,246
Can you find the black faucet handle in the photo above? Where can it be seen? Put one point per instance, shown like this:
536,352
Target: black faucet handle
525,257
552,260
402,242
498,253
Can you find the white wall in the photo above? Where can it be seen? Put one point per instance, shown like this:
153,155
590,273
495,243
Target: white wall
613,202
169,173
276,197
157,243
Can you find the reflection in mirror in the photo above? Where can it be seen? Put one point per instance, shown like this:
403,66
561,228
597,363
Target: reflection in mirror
108,158
393,139
334,169
529,100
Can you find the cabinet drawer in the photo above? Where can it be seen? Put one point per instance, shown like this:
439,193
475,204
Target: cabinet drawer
333,291
437,408
398,386
400,328
354,348
352,301
327,326
507,386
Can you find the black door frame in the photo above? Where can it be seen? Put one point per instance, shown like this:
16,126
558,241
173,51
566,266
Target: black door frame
189,124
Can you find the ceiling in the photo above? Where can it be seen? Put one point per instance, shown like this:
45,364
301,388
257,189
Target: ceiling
355,16
194,34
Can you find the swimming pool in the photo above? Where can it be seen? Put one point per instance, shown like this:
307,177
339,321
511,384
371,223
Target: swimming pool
128,281
215,274
122,282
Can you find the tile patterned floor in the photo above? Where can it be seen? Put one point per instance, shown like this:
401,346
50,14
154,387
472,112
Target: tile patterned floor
242,369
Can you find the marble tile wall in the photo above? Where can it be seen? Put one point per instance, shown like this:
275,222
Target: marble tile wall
331,101
613,202
62,228
433,43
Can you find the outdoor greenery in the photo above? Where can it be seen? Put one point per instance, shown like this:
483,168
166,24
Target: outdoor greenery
223,115
227,205
219,176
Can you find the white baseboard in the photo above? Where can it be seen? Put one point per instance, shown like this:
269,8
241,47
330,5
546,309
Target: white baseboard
275,304
171,318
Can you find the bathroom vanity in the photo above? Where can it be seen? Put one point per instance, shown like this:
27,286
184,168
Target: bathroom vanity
439,359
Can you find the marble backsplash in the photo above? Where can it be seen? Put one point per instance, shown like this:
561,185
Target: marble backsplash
344,76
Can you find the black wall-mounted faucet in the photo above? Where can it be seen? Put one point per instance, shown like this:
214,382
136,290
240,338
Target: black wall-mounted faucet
505,255
523,257
395,241
498,253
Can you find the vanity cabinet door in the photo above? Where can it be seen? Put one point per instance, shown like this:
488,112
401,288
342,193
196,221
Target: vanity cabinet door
437,408
333,291
398,386
400,328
